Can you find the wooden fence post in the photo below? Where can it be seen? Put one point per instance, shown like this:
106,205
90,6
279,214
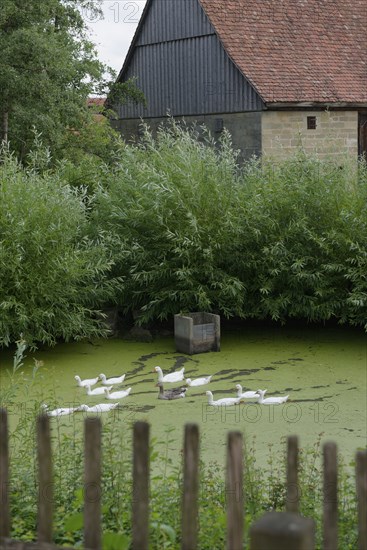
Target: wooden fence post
140,504
45,481
282,531
361,488
234,491
92,483
190,488
293,493
330,489
4,475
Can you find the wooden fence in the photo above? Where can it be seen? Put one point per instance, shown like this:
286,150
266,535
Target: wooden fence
274,531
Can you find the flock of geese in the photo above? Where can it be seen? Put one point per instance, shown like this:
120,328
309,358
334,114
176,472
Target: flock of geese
174,393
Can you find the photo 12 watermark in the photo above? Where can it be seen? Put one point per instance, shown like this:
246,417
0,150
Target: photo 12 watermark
117,11
251,413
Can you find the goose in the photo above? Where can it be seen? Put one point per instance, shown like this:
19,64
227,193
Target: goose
96,391
198,381
62,411
101,407
171,377
174,393
116,394
270,400
226,401
111,381
246,394
86,382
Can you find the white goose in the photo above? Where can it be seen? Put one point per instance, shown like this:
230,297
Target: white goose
101,407
270,400
111,381
198,381
117,394
225,402
96,391
171,377
62,411
86,382
246,394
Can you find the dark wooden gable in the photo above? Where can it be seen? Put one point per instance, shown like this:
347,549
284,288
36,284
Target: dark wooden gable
182,67
173,20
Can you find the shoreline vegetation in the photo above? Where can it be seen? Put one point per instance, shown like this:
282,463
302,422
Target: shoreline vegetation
174,224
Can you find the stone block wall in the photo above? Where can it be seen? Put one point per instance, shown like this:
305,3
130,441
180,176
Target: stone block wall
245,129
336,133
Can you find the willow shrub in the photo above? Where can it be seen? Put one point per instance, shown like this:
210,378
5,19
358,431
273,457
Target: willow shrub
303,232
191,230
52,275
170,211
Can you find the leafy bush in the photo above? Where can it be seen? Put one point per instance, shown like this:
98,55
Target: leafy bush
191,230
170,209
172,225
303,231
52,275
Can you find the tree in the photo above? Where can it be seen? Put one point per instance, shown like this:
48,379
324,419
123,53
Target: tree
48,68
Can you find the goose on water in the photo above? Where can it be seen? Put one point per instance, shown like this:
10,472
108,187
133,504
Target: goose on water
101,407
86,382
111,381
226,401
117,394
174,393
198,381
62,411
270,400
171,377
246,394
96,391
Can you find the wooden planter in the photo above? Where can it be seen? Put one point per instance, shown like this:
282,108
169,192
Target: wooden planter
197,332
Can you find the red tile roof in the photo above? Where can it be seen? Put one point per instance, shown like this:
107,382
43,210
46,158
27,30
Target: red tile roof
96,101
296,50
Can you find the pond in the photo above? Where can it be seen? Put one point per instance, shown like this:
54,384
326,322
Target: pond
322,369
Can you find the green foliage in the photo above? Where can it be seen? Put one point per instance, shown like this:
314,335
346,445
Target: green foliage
120,92
191,230
173,225
48,68
303,231
170,209
52,275
95,144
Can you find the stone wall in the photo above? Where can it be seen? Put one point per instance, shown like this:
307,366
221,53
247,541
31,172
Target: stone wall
245,129
336,133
